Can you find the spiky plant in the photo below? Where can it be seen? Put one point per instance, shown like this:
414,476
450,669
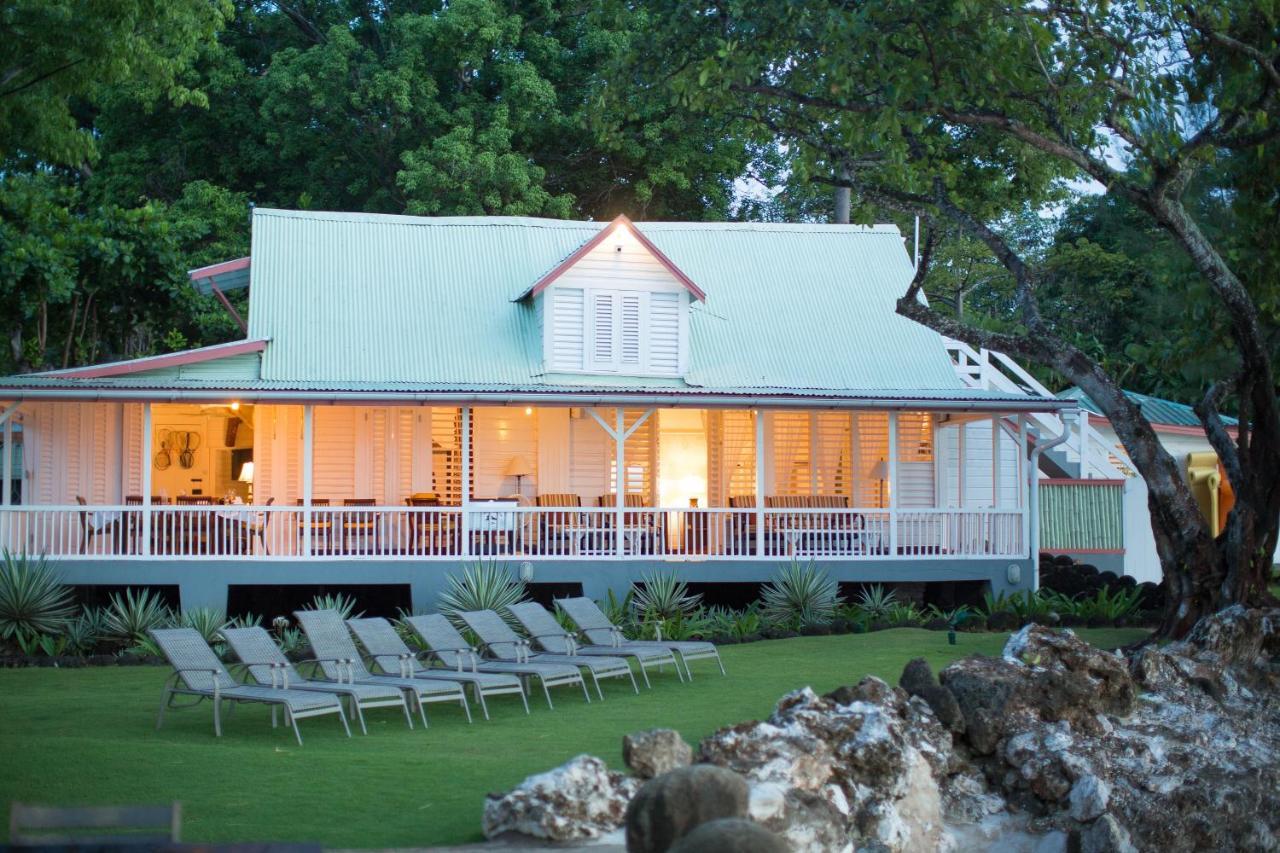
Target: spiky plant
86,631
32,598
484,585
344,604
130,615
662,595
207,621
875,602
801,595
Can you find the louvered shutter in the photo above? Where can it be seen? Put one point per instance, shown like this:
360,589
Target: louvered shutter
603,338
664,333
631,330
567,333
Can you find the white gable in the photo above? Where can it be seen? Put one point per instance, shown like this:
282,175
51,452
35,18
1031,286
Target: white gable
618,310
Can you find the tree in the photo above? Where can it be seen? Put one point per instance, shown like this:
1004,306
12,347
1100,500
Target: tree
55,55
966,113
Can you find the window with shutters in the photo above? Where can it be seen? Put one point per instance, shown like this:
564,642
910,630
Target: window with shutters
603,330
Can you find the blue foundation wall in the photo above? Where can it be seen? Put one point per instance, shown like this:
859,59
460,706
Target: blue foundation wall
204,583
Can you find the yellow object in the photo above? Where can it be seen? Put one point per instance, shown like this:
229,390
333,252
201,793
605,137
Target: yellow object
1210,488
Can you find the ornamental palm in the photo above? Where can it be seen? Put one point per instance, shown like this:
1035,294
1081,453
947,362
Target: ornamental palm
486,585
32,598
801,595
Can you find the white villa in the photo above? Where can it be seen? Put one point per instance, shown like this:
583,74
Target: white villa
584,401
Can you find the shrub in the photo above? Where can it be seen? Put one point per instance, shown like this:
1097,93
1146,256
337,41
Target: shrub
485,585
207,621
32,598
130,616
801,595
903,614
86,631
662,596
344,604
874,602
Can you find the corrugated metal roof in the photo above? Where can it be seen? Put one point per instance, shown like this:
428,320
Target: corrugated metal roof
376,298
1154,409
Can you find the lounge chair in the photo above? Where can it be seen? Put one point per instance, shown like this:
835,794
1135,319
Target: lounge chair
340,660
391,654
267,665
499,640
198,672
595,625
550,636
451,649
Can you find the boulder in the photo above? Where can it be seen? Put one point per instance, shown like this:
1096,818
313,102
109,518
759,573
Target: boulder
1088,798
916,676
730,835
1106,835
654,752
669,807
580,799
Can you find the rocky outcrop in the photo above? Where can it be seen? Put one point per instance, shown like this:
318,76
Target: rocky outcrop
654,752
730,835
672,805
1054,745
579,799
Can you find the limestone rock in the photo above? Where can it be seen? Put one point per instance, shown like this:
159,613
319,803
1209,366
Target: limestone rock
916,676
654,752
580,799
1106,835
1088,798
730,835
670,806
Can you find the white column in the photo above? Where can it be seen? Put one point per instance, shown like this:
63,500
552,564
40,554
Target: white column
1023,486
962,464
1082,427
995,461
893,484
146,478
759,415
308,459
466,481
8,461
620,497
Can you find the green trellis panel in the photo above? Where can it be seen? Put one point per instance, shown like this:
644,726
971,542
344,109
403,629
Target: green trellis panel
1081,516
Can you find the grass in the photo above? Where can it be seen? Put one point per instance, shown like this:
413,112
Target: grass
87,737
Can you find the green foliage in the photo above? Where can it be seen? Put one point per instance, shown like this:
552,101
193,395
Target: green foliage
484,585
130,614
33,599
59,56
661,595
875,602
207,621
902,614
618,612
953,617
85,631
344,604
740,625
800,595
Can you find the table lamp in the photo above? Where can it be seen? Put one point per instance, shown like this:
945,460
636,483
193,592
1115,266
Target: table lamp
519,468
246,476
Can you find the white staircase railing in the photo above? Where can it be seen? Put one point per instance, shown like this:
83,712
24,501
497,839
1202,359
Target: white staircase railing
990,370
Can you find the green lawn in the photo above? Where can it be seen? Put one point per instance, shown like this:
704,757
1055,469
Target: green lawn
87,737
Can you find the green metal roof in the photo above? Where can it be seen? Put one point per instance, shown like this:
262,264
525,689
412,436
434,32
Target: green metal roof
373,298
1154,409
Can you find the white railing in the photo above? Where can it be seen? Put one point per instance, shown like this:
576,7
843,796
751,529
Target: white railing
565,533
994,371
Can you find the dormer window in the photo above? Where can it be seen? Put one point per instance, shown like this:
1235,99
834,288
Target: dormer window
616,306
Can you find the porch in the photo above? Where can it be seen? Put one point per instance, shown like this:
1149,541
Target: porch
165,482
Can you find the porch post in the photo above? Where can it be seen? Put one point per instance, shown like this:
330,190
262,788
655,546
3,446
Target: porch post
146,478
1082,427
995,462
1022,484
893,484
465,488
308,459
759,482
8,461
620,493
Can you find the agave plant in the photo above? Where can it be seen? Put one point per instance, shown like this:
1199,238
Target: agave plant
661,595
32,598
801,595
1107,604
485,585
875,602
207,621
952,617
86,631
129,616
344,604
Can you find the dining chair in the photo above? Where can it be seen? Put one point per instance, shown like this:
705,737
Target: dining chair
359,523
321,527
